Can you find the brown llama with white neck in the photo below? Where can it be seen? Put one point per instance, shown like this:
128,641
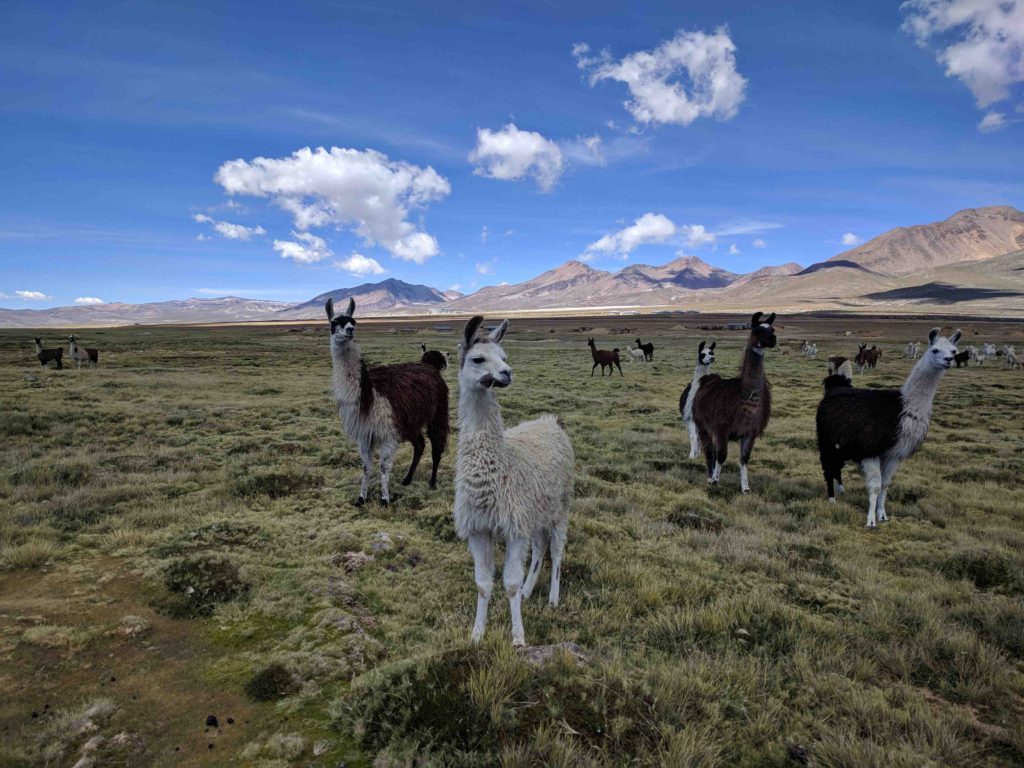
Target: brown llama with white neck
46,356
736,409
385,406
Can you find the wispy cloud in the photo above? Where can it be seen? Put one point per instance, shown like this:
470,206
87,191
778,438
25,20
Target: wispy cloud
32,295
746,227
760,243
308,250
228,230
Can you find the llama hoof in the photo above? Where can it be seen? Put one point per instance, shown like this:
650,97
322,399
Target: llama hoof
518,642
745,490
407,481
476,637
385,502
552,604
360,501
433,485
831,499
871,526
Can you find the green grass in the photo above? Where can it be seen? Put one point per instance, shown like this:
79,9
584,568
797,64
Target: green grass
177,537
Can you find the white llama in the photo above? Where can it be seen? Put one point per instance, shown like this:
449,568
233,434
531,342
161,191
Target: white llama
514,484
636,355
705,359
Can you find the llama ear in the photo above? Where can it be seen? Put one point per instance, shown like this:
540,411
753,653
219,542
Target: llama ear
712,347
956,336
329,307
470,333
933,334
755,319
771,318
700,347
351,308
499,333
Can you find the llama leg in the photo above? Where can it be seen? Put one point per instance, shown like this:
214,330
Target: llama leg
594,368
694,440
482,548
418,444
558,537
889,468
721,453
366,455
873,480
387,460
435,459
620,369
746,446
515,553
538,545
839,480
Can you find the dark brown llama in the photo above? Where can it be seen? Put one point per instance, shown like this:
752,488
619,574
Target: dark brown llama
604,358
736,409
49,355
433,358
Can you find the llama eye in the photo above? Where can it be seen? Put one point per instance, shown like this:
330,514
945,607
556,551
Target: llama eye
478,360
935,351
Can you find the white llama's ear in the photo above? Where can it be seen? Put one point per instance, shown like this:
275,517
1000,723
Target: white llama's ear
933,334
329,307
470,332
351,308
499,333
956,336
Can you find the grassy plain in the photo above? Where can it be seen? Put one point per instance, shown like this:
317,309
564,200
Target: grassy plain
177,539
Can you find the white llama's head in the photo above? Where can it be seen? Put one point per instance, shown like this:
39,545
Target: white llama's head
343,327
941,349
482,362
706,354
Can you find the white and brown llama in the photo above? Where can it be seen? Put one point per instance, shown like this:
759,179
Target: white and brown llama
736,409
705,359
80,354
879,428
514,484
386,405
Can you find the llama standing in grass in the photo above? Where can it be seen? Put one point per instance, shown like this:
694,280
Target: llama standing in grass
867,358
90,357
648,350
636,355
385,406
705,359
604,358
880,428
49,355
515,484
1012,361
736,409
988,351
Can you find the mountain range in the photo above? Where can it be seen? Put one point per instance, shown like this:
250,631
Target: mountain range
972,262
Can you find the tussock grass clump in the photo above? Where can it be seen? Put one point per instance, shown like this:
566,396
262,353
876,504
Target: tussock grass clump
18,424
29,554
274,482
989,570
199,584
272,683
222,534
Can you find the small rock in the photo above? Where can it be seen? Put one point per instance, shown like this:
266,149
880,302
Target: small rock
231,721
93,744
211,721
35,714
539,655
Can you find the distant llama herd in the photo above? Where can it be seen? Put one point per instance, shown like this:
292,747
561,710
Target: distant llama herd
515,484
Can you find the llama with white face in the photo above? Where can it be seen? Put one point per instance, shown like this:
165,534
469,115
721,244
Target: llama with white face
880,428
636,355
514,484
705,359
80,354
384,406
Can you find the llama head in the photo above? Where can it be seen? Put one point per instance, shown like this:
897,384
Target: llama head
590,343
762,332
706,354
343,327
941,350
38,341
483,363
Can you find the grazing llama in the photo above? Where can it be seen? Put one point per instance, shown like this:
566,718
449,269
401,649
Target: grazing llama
49,355
604,358
880,428
811,351
515,484
648,350
90,357
867,358
961,358
705,359
385,406
1012,361
736,409
434,358
636,355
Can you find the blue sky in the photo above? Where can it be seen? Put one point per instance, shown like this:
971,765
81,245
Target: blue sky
478,145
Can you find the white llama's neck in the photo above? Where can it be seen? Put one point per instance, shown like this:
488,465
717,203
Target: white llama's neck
700,372
919,389
479,414
347,372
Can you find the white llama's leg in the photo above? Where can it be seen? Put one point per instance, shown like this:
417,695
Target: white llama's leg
717,474
481,547
538,545
889,468
515,554
694,440
558,537
366,456
387,460
873,480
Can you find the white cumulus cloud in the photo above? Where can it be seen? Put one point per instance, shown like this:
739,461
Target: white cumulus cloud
362,189
32,295
307,250
760,243
510,154
850,239
360,265
692,75
486,267
649,228
87,300
734,250
980,42
228,230
992,121
697,235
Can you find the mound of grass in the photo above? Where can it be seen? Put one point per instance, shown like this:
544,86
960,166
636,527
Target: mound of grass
222,534
987,569
29,554
197,585
275,482
272,683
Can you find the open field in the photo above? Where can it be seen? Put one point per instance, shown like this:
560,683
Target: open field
719,629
